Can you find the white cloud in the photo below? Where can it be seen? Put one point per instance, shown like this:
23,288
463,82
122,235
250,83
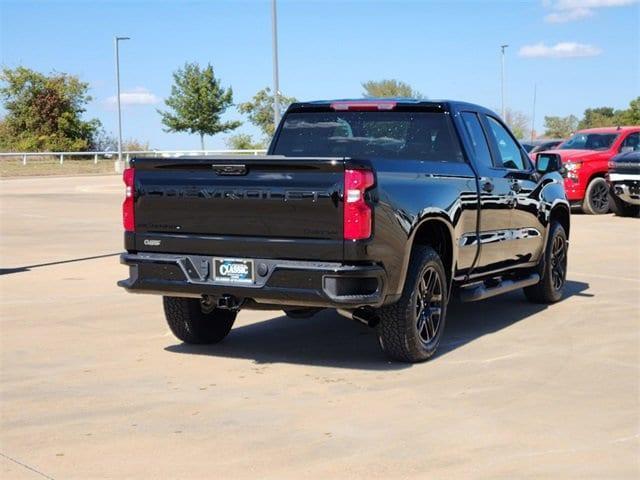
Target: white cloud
564,16
571,10
137,96
573,4
559,50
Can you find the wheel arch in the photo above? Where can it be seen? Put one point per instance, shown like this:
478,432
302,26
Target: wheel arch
438,233
561,213
593,176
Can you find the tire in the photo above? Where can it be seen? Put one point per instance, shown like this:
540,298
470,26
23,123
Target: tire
405,334
623,209
191,322
596,197
550,288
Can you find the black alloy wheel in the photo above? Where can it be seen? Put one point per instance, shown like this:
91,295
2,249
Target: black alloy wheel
410,329
558,262
428,305
597,199
552,268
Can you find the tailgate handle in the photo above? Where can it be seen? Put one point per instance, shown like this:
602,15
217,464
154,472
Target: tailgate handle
230,169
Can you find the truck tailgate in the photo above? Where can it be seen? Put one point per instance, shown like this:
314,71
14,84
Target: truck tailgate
247,200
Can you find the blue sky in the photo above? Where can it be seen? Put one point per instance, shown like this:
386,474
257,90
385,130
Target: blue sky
581,53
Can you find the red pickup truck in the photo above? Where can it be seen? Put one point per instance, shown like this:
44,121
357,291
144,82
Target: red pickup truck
585,157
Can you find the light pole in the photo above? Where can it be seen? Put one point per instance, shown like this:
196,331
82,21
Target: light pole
274,43
116,41
533,113
502,48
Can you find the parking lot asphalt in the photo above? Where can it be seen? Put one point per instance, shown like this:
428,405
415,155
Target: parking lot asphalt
93,385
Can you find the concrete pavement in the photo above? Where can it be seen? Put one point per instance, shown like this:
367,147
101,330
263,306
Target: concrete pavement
93,385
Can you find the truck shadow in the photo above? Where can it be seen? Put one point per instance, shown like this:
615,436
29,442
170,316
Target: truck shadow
27,268
330,340
469,321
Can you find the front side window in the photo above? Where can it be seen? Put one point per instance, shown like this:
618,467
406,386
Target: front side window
589,141
631,143
508,149
394,135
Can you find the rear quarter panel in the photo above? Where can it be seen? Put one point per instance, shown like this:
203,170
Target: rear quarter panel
409,193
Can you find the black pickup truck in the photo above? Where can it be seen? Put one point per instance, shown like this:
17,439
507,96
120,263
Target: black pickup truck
380,209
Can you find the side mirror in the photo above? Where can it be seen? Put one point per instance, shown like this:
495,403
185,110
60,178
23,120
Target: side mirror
547,163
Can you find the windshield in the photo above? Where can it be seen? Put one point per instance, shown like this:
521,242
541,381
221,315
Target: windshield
395,135
590,141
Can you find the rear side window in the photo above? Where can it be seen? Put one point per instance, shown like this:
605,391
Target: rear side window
508,148
478,139
393,135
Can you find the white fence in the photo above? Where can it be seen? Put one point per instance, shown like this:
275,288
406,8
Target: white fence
126,155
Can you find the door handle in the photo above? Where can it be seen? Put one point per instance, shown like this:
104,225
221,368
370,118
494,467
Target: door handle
487,186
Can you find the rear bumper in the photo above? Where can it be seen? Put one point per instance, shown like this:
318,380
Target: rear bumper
286,282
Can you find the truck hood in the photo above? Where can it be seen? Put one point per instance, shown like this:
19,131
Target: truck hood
627,157
575,155
628,162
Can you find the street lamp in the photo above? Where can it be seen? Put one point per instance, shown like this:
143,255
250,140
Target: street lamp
116,41
274,43
533,114
502,48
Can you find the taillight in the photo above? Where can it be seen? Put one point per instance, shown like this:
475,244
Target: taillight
357,214
128,218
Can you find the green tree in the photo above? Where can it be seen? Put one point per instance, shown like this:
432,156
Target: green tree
609,117
44,112
599,117
243,141
197,102
631,116
560,127
260,110
389,88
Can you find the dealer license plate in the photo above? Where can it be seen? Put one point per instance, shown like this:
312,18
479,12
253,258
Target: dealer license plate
233,270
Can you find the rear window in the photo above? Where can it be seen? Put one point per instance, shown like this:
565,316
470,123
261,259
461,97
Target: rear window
394,135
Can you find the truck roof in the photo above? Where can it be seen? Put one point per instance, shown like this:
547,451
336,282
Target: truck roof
446,105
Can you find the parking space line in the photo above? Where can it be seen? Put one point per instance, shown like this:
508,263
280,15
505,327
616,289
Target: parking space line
17,462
